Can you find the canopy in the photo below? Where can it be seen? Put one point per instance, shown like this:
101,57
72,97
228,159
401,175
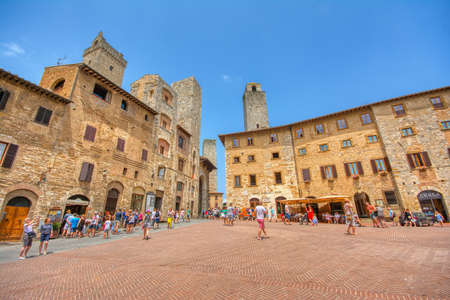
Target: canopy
78,201
329,198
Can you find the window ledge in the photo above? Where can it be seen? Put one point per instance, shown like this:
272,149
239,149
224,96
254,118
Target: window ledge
400,116
237,187
251,161
323,151
405,136
445,129
235,163
355,177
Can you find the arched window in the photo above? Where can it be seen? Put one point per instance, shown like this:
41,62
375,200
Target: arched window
167,96
254,88
124,105
163,147
165,121
59,85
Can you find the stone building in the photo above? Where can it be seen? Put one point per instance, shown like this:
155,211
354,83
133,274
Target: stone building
393,153
79,141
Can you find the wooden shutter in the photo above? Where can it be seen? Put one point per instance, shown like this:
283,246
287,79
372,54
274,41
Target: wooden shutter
120,144
40,115
108,97
426,158
410,161
360,168
89,172
90,132
3,99
322,172
144,154
84,171
374,166
347,169
333,169
388,164
10,156
306,175
47,116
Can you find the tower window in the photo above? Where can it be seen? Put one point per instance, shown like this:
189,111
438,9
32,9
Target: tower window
254,88
146,117
59,85
100,92
111,68
124,105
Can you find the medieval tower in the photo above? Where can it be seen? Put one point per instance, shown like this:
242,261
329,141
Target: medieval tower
255,107
209,151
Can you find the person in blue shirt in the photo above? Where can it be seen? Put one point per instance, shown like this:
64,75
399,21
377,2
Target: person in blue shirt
74,225
117,221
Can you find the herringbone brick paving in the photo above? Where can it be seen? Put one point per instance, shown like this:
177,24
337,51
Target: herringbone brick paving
213,261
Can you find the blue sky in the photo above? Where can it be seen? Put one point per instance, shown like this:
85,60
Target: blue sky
311,57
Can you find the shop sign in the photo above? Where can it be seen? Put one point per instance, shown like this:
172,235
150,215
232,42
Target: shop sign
429,195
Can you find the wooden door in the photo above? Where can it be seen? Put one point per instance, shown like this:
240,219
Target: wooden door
11,226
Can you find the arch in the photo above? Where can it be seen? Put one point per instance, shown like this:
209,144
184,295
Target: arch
137,198
58,85
116,185
112,198
361,199
432,201
19,202
163,147
13,217
167,96
280,207
253,202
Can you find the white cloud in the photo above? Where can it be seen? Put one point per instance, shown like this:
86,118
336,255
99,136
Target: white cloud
226,77
12,49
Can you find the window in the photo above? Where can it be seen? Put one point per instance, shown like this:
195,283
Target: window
163,147
328,172
89,133
180,164
236,159
398,110
372,139
302,151
346,143
180,186
43,116
323,147
111,68
418,160
273,138
253,88
251,158
390,197
380,165
365,118
7,154
144,155
252,180
319,129
353,169
165,122
407,131
257,125
136,174
445,125
86,172
102,93
236,143
275,155
120,145
436,102
237,181
299,133
167,96
124,171
180,142
278,179
161,172
59,85
306,175
146,117
250,141
4,95
124,105
342,124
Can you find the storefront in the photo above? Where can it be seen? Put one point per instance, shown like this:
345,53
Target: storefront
432,201
77,204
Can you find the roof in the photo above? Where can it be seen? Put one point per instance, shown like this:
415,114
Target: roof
117,88
209,165
222,136
33,87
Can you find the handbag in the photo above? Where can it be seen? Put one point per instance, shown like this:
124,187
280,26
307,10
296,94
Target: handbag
32,234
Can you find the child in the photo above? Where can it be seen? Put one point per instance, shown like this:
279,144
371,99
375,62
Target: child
315,222
107,228
439,218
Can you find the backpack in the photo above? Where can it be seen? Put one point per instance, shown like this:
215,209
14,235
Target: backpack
157,214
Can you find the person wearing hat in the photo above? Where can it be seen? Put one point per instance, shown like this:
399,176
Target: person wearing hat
146,224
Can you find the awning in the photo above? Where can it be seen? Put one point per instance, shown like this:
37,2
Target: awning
77,201
329,198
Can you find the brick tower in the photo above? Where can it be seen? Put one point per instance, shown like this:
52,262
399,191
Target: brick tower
255,107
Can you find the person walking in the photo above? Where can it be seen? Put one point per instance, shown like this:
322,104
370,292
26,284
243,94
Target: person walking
46,230
146,224
28,235
65,225
117,221
372,213
93,225
348,211
272,214
157,218
107,227
188,215
439,218
380,216
260,212
230,216
130,221
310,213
80,227
170,215
287,215
392,216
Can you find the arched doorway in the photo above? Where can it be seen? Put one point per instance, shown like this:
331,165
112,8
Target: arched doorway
360,202
77,204
253,202
431,201
111,201
280,206
14,215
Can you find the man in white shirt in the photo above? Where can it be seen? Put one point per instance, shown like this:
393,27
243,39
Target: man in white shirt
260,212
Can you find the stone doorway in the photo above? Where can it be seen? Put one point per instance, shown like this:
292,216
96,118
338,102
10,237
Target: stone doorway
111,201
432,201
360,202
15,213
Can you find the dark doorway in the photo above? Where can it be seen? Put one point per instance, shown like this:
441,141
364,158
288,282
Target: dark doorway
111,201
77,204
254,202
200,195
158,203
360,202
432,201
177,203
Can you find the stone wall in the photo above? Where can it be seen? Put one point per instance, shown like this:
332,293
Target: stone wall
209,151
255,107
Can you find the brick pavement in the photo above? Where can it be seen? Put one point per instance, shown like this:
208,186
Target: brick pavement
212,261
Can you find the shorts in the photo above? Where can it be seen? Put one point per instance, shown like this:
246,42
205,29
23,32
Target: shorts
372,216
92,226
146,225
157,220
107,229
287,216
27,240
169,220
73,229
45,237
261,223
230,217
349,220
66,226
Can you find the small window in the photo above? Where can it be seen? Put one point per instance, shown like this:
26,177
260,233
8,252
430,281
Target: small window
236,143
366,119
180,142
161,172
136,174
302,151
391,199
89,133
306,175
372,139
162,149
236,159
273,138
253,88
59,85
43,116
398,110
299,133
319,129
251,158
237,181
418,160
179,186
146,117
144,155
124,171
7,154
445,125
120,145
346,143
278,179
323,147
407,131
124,105
4,95
252,180
257,125
328,172
180,164
352,168
381,166
100,92
250,141
111,68
342,124
275,155
436,102
86,172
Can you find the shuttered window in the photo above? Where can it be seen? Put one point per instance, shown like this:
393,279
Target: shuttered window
144,154
306,175
86,172
328,172
353,169
419,159
89,133
4,95
237,181
253,180
278,179
43,116
120,145
380,165
8,154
